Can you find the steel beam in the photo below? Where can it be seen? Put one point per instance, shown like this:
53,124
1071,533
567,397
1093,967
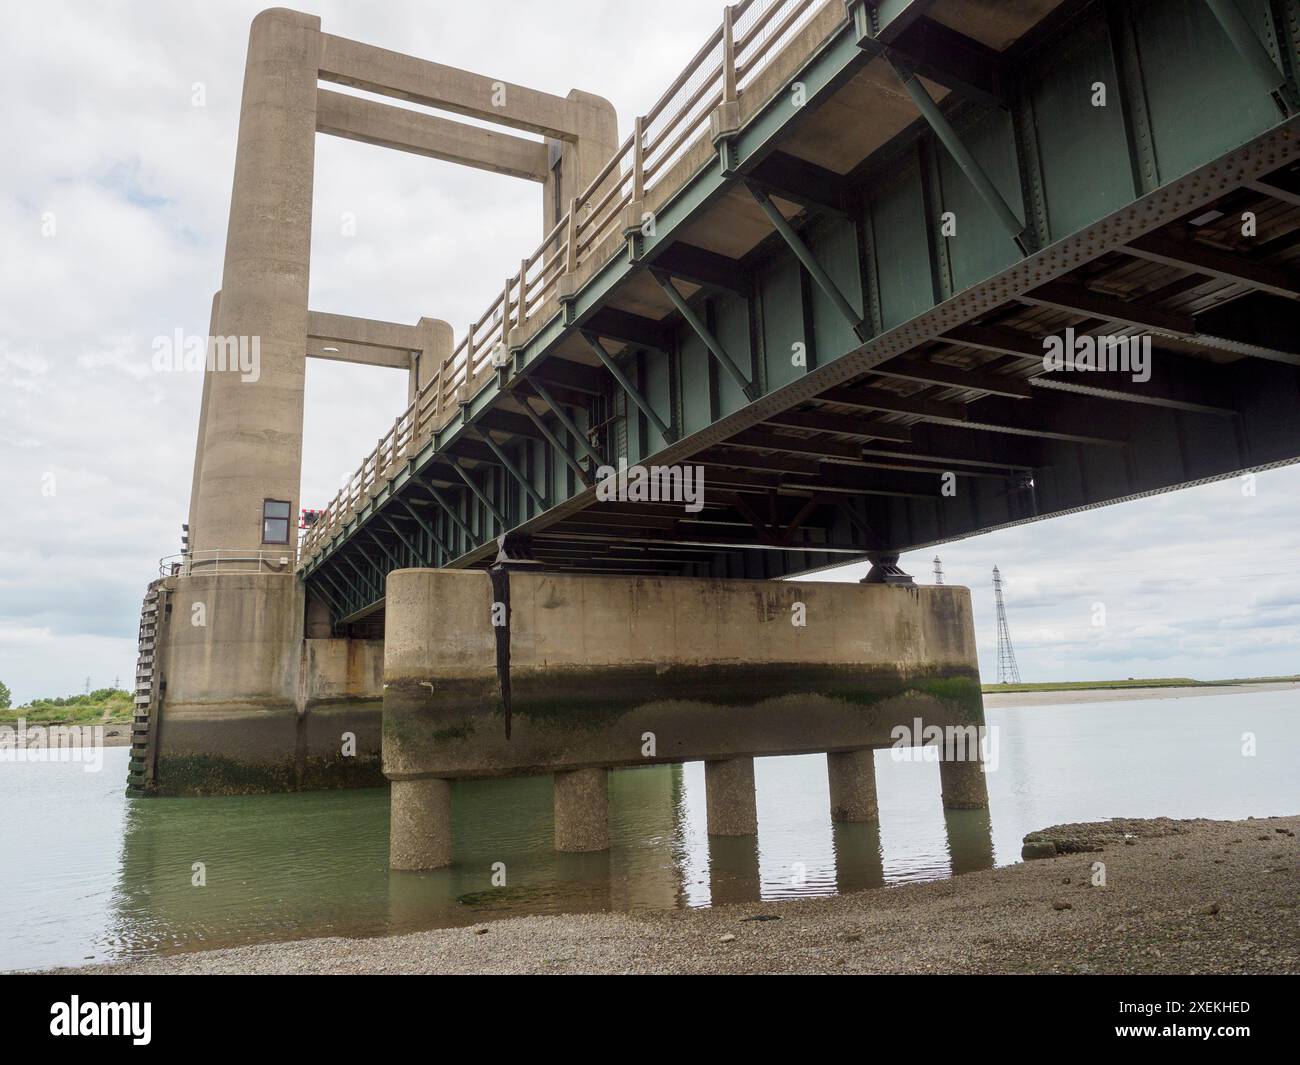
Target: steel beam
1250,48
1062,295
799,181
935,373
479,493
429,529
374,589
554,441
412,545
633,393
630,328
804,254
383,547
700,266
1210,262
844,424
705,334
561,415
962,156
523,481
441,500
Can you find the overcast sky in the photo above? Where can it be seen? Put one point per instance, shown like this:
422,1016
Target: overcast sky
114,193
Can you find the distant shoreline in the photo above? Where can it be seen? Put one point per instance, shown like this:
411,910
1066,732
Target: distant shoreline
997,699
1127,685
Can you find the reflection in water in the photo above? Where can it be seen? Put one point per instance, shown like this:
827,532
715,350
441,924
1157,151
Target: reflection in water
970,840
87,875
859,862
733,869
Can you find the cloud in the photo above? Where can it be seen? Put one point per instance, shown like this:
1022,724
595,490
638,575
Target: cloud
114,198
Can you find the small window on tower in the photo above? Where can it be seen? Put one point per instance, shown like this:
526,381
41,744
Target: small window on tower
275,521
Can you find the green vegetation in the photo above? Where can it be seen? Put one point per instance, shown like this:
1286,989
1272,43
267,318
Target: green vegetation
106,705
1153,682
6,696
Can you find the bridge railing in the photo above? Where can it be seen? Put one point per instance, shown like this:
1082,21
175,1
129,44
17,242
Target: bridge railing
591,231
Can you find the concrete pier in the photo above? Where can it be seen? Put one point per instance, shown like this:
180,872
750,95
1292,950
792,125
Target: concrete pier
852,779
419,835
730,797
582,810
609,672
964,785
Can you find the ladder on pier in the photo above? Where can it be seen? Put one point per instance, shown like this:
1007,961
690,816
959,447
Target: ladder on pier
142,771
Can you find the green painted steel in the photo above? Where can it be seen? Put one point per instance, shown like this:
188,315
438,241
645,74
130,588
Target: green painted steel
1119,99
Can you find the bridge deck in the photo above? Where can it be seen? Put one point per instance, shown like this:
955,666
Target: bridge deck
836,314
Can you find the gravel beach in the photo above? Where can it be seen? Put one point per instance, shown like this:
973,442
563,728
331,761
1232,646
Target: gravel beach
1180,897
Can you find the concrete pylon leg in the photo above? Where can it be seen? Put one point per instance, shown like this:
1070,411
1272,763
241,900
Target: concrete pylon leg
582,810
852,777
730,798
964,786
419,835
252,438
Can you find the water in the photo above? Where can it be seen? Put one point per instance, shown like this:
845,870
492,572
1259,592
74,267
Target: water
88,875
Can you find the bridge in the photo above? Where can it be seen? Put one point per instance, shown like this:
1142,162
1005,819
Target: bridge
798,323
822,272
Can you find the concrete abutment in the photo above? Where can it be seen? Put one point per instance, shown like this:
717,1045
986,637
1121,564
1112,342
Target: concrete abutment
615,672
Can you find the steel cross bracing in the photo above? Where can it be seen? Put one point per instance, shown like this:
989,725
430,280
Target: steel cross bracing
922,351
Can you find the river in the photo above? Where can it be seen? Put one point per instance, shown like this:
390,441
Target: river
89,875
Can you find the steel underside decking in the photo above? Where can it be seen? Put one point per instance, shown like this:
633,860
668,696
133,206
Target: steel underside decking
923,351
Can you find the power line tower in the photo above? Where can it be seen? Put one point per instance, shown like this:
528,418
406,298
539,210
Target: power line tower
938,570
1008,671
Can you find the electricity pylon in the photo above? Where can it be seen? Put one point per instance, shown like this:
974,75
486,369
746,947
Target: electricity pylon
1008,671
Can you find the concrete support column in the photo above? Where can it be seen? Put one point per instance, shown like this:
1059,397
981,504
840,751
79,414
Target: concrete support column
203,425
852,777
730,798
582,810
964,786
596,126
438,343
253,436
419,834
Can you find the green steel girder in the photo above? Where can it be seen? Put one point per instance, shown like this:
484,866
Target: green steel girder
375,590
412,546
633,393
891,334
513,470
448,507
428,528
1243,38
562,416
967,162
851,314
478,492
705,334
557,445
384,548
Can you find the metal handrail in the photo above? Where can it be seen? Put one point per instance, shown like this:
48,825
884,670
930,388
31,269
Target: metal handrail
663,137
228,560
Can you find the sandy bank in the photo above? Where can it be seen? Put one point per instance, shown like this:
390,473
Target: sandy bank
1182,897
